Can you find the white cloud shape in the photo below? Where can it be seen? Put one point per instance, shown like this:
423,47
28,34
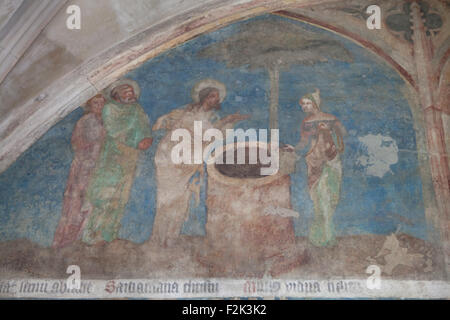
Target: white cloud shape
381,153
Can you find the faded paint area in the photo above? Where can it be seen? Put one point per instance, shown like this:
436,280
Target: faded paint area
382,152
83,44
7,9
34,72
133,18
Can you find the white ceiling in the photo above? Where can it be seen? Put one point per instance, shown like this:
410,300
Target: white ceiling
7,9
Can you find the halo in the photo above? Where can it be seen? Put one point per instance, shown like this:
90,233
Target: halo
134,84
208,83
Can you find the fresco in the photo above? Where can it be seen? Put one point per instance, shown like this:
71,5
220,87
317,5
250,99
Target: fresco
101,190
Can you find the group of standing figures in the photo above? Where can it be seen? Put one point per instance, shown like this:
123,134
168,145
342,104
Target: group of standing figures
107,141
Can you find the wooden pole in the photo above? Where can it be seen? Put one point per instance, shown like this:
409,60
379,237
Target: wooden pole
274,74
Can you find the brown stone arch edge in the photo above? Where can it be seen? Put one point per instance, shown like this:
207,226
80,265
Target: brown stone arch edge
163,40
352,36
137,55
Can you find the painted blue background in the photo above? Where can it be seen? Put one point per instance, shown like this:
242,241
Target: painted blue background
365,95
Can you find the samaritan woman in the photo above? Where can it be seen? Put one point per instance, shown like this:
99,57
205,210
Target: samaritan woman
322,137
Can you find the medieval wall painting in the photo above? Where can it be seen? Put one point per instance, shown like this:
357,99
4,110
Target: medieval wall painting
101,190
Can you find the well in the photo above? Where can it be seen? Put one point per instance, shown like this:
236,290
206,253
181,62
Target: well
243,239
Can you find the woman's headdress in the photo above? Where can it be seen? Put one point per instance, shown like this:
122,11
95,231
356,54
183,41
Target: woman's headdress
314,97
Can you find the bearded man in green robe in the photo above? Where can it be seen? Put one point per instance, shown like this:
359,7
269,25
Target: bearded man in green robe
128,132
